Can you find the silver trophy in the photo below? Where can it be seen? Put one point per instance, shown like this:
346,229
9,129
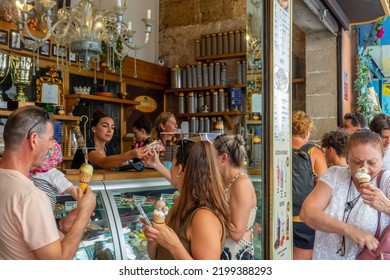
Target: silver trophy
4,68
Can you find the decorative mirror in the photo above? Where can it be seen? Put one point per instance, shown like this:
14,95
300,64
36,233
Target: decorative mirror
50,88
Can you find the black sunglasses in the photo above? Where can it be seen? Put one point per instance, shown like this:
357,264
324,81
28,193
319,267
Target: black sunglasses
356,119
46,116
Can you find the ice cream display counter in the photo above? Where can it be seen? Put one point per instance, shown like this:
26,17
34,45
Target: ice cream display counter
115,231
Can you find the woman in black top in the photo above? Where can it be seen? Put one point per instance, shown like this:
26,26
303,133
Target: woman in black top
100,154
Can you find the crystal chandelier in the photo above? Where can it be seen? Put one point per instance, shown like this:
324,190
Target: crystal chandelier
83,29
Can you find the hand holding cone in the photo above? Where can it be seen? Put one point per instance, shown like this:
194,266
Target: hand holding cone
86,171
160,212
362,175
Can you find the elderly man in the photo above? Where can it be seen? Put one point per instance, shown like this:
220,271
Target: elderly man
28,228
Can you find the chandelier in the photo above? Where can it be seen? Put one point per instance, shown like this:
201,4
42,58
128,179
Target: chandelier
82,30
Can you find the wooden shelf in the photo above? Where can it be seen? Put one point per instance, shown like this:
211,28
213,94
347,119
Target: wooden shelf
298,80
211,114
73,99
221,56
6,113
174,90
254,122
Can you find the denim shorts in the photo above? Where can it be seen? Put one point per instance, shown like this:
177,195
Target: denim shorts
303,236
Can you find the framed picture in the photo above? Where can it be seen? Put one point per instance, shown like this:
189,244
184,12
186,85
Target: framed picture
14,42
49,88
28,45
3,37
59,50
45,49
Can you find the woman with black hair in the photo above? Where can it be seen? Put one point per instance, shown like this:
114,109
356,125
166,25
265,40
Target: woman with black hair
101,155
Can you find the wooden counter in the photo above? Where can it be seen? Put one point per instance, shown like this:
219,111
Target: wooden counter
99,175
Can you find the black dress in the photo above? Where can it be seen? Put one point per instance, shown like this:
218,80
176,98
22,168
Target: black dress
78,158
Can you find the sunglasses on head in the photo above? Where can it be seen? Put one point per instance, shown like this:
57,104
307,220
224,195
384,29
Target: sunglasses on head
44,117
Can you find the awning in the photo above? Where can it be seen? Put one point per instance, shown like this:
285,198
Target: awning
358,11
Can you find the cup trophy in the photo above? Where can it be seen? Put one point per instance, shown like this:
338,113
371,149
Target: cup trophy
21,75
4,68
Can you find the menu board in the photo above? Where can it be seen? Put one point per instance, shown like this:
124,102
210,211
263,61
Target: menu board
281,233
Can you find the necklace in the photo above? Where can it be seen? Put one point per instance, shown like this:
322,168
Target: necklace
233,180
349,205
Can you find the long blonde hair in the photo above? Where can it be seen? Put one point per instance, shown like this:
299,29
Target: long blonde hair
161,119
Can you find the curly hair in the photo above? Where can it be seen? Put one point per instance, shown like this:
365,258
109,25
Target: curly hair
301,123
336,139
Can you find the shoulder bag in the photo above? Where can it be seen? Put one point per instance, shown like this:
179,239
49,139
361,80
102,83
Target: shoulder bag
382,252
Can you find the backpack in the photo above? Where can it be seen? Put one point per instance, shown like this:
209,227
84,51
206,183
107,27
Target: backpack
302,176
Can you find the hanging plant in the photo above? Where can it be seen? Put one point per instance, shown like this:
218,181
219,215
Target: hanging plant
367,101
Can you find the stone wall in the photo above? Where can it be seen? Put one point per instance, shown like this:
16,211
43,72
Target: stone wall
182,22
321,82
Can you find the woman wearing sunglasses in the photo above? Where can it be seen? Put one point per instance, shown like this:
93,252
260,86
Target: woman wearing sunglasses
195,226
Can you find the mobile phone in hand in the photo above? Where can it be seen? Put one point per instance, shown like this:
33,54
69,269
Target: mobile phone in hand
142,212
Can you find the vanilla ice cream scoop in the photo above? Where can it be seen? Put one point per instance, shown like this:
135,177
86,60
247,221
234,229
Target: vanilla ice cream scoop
160,211
362,175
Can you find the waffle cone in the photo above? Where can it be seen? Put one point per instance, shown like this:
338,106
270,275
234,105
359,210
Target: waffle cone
83,186
158,220
85,177
363,181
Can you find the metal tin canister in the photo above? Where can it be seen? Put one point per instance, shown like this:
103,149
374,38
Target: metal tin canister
206,124
205,75
223,77
199,74
207,99
194,79
225,37
219,43
221,100
239,72
211,74
190,103
197,47
217,74
208,44
200,101
193,125
237,41
181,105
189,76
201,124
214,46
184,78
231,42
203,46
215,101
176,76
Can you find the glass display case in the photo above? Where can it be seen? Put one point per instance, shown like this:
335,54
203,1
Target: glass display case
115,232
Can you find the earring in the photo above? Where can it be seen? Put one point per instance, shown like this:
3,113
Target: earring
177,176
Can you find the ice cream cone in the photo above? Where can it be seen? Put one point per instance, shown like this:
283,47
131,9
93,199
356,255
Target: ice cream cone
362,175
83,186
158,219
85,177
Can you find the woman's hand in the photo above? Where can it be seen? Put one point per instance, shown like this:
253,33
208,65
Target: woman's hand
374,197
362,238
162,235
140,152
151,159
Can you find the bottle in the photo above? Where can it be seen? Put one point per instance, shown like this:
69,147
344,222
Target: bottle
194,79
193,125
181,99
223,77
214,101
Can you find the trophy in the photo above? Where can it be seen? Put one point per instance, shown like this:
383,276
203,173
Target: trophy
4,68
21,75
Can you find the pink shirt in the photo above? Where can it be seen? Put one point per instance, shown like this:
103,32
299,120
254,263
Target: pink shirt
26,219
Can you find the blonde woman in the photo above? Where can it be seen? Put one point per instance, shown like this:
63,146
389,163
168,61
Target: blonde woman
302,125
